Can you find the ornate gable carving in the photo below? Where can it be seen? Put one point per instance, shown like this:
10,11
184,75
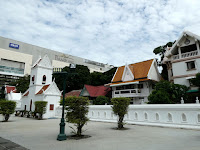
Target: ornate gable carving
53,90
45,62
127,74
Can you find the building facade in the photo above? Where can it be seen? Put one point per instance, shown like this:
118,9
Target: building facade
16,59
183,59
135,81
41,88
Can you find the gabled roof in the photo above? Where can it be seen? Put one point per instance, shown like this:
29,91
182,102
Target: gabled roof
8,89
73,93
185,33
44,62
96,91
139,70
44,88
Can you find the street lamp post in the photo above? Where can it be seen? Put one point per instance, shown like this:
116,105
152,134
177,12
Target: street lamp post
62,136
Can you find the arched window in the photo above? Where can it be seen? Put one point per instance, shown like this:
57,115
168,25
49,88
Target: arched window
169,117
198,118
44,79
33,79
157,117
145,116
184,119
104,114
136,116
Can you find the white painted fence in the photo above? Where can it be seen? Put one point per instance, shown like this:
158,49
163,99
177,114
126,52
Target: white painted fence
167,115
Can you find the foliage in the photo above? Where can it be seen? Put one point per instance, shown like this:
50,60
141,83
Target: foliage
6,108
120,108
196,81
77,109
174,92
22,84
2,94
160,50
159,97
40,107
101,100
98,78
75,81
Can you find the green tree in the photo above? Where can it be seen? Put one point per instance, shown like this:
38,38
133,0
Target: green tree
160,50
40,107
174,92
159,97
101,100
7,108
120,108
74,81
22,84
77,109
2,94
196,81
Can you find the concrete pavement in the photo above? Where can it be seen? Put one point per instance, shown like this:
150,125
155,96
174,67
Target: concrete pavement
41,135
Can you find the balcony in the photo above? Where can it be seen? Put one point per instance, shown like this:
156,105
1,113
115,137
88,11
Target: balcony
127,92
185,55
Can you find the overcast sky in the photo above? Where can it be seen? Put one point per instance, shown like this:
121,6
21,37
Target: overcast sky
108,31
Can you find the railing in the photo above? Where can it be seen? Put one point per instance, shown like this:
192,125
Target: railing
185,55
127,91
166,115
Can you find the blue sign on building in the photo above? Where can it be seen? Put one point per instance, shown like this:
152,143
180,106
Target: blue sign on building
12,45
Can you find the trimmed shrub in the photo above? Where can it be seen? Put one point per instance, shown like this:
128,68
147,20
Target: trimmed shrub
101,100
77,109
159,97
120,108
6,108
40,108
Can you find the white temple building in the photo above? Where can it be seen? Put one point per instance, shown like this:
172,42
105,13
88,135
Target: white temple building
42,88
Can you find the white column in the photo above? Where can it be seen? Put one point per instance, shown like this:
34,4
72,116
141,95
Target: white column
197,44
179,52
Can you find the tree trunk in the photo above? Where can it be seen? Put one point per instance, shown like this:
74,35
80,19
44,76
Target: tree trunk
120,123
7,116
79,130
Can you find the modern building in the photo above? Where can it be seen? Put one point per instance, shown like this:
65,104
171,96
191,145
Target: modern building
16,59
135,81
183,59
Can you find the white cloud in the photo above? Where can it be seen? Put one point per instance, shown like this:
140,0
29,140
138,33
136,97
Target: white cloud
107,31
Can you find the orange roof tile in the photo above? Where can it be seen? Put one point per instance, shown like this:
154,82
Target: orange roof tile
43,89
126,82
139,70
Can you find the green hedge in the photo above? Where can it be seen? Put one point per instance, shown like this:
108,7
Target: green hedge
77,109
120,108
6,108
40,107
101,100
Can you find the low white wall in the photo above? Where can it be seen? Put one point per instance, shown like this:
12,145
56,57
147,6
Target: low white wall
166,115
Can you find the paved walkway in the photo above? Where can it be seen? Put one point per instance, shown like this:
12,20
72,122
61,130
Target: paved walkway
9,145
41,135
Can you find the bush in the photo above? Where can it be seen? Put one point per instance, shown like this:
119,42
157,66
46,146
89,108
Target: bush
101,100
120,108
40,108
159,97
174,93
77,109
7,108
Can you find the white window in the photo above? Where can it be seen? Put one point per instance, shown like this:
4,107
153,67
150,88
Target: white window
190,65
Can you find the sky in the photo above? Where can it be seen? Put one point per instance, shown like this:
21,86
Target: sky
107,31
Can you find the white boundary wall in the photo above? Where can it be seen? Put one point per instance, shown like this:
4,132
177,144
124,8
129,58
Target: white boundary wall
165,115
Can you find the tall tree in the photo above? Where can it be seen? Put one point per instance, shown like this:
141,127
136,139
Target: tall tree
160,50
75,81
22,84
